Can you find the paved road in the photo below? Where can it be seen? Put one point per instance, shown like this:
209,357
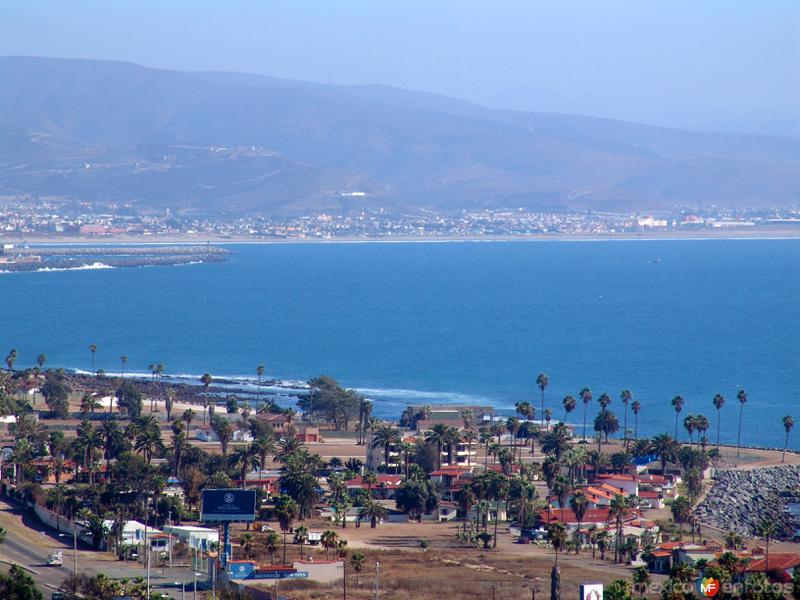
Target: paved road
29,543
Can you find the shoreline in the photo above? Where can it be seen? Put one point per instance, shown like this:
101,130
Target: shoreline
790,233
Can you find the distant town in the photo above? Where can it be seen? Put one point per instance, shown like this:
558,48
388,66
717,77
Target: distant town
23,218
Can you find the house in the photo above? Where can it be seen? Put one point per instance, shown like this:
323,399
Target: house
448,475
594,516
651,499
308,435
780,568
197,538
278,421
668,554
376,457
206,435
499,513
627,485
46,470
446,511
385,488
242,435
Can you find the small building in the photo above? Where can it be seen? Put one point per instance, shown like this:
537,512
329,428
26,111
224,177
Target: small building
278,421
197,538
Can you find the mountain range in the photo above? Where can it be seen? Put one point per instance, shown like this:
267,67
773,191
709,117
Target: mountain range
232,143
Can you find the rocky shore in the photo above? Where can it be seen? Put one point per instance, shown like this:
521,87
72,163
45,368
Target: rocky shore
741,500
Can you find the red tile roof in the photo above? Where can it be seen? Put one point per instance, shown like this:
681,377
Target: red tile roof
781,561
593,515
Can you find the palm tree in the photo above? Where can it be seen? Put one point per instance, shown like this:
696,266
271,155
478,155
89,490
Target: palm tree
247,543
640,580
246,458
124,360
148,442
224,431
206,380
741,396
385,437
689,426
677,404
357,562
266,446
617,509
542,381
767,530
271,544
40,360
636,406
187,417
733,541
286,511
788,423
512,425
374,511
329,539
667,449
301,537
719,402
556,442
569,405
557,534
586,397
548,415
701,424
93,350
626,396
260,373
441,436
579,504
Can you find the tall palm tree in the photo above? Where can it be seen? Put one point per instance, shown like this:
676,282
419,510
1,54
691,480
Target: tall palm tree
741,396
701,424
206,380
604,400
266,446
667,449
286,511
187,417
372,511
569,405
719,402
689,426
626,396
41,359
260,373
385,437
246,458
617,508
513,425
124,360
636,406
224,431
788,423
579,504
557,534
767,530
93,350
586,397
677,404
542,381
442,436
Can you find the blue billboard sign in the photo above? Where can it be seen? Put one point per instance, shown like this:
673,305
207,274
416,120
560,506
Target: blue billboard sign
228,505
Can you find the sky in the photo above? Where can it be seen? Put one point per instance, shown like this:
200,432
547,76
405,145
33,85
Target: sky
709,64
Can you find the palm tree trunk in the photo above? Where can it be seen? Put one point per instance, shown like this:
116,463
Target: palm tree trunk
584,421
636,427
625,428
739,438
676,424
719,418
785,445
496,519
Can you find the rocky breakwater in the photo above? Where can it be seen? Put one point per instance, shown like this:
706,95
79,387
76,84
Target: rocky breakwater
742,500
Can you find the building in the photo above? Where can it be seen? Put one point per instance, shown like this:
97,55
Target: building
278,421
197,538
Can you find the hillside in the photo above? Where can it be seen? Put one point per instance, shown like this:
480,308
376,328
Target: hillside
228,142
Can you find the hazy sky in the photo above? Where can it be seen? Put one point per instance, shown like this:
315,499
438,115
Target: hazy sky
703,63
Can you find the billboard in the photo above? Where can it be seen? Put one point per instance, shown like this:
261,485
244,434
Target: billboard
228,505
591,591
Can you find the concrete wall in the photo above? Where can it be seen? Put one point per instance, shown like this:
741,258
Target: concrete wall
323,572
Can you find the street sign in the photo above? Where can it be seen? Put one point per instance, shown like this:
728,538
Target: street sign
228,505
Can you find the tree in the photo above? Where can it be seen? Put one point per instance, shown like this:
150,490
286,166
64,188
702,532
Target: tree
442,436
677,404
719,402
265,444
619,589
586,397
605,424
667,449
18,585
301,537
558,537
11,358
689,425
788,423
767,530
681,512
206,380
286,511
556,442
626,396
569,405
636,407
260,374
579,504
187,417
542,381
329,401
272,543
169,402
40,360
357,562
733,541
245,458
329,540
641,578
385,437
372,511
741,396
93,350
148,441
617,509
129,399
222,427
56,390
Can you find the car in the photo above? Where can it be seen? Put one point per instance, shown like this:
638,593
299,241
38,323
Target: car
57,596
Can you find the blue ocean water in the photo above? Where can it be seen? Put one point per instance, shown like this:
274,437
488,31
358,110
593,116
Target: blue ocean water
450,322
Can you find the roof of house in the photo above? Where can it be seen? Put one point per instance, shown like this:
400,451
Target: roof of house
593,515
618,476
782,561
450,471
649,495
385,482
274,417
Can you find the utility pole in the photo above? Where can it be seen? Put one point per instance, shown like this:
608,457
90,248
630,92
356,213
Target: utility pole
183,590
194,586
344,580
377,579
74,550
169,541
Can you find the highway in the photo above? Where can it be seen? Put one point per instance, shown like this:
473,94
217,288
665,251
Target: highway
29,543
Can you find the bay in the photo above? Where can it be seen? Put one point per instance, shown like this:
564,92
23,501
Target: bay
451,322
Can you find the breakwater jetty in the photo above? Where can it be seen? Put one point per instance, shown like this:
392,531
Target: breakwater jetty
742,500
48,258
